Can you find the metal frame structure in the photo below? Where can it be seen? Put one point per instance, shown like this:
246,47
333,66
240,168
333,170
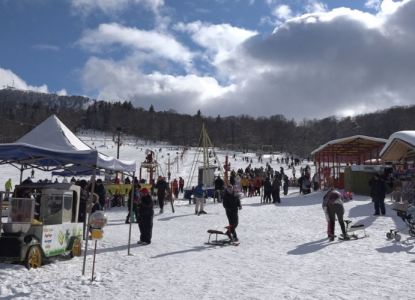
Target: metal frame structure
336,154
203,146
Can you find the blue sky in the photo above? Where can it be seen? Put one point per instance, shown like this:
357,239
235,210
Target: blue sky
300,58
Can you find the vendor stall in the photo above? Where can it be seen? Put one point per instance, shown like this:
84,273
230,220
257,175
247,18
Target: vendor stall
52,146
333,157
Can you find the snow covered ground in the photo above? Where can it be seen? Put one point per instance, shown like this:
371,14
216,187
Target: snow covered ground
284,252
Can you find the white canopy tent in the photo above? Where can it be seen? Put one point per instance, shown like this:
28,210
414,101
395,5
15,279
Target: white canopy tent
400,147
52,146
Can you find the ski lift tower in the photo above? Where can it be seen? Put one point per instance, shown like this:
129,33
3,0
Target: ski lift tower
150,164
204,164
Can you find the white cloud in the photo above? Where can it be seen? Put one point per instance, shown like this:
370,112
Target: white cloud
375,4
283,12
220,41
46,47
160,44
111,7
117,81
8,78
322,63
314,6
62,92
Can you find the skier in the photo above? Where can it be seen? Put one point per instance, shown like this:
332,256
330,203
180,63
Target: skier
32,174
145,214
333,206
232,204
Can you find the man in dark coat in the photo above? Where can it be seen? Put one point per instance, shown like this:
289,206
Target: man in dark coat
145,213
162,186
276,190
267,190
84,201
300,183
285,185
232,204
378,193
219,184
100,190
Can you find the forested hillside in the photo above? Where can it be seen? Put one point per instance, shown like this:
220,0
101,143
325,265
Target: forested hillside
21,110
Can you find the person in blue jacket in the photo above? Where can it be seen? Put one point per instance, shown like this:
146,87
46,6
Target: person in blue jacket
199,193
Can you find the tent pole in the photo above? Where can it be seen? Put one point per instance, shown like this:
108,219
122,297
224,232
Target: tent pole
21,173
131,212
89,206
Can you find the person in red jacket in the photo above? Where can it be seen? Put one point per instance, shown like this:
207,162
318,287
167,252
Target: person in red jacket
258,186
181,184
175,186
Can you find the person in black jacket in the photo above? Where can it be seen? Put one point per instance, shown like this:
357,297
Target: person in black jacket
232,204
135,196
84,198
285,185
267,190
145,213
100,190
162,186
219,184
378,193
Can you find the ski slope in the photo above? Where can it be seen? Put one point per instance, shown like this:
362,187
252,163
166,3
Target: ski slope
284,252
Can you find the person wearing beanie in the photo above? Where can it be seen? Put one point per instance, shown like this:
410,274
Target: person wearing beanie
378,194
145,213
232,204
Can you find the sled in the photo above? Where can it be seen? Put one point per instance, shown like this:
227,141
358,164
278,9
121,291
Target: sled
353,228
221,242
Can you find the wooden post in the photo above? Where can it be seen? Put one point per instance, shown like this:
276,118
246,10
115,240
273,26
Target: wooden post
131,212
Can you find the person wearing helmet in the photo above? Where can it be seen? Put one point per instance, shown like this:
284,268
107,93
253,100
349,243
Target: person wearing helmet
145,213
199,193
232,204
